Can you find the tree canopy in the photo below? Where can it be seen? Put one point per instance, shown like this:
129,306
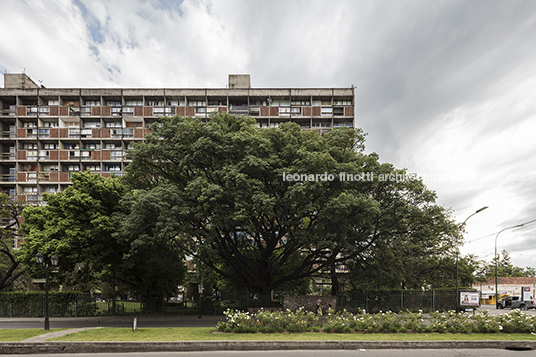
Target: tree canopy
264,207
82,225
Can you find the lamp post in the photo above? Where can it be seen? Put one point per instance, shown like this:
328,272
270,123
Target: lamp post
457,253
496,262
39,258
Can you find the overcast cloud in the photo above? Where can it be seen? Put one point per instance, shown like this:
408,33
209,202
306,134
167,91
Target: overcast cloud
446,89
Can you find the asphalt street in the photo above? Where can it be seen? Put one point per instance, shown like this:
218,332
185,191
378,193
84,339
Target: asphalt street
313,353
111,321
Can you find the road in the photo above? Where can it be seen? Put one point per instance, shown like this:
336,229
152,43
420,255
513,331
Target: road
111,321
316,353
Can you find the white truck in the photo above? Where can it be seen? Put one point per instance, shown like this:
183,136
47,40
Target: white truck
515,302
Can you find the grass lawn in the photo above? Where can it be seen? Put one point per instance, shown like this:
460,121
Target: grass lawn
209,334
22,334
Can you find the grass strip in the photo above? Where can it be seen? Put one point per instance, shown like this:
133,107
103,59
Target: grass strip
9,335
210,334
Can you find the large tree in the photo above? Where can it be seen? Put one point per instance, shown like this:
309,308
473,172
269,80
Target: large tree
82,225
10,265
259,205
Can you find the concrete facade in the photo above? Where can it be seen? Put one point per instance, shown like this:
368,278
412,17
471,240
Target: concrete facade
46,134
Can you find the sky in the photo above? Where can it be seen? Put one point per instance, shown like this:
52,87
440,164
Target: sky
445,89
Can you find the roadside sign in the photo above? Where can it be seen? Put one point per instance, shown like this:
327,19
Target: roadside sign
469,298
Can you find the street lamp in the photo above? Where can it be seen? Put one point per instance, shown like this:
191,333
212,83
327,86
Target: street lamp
496,261
40,259
457,253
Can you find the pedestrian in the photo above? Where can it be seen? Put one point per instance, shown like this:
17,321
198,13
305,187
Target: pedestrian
319,306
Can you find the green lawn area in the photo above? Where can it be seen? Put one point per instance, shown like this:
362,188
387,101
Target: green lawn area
209,334
22,334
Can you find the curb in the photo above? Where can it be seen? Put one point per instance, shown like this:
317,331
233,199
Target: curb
189,346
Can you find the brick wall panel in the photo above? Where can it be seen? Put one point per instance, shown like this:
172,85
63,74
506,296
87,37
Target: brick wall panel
181,111
138,111
105,155
54,154
306,111
316,111
64,111
54,133
95,133
21,133
96,155
21,177
274,111
106,111
64,155
222,109
105,133
21,155
138,133
64,177
147,111
21,198
21,111
64,133
106,174
54,110
96,111
54,176
265,111
190,111
349,111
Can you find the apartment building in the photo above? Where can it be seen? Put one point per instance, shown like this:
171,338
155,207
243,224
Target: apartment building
49,133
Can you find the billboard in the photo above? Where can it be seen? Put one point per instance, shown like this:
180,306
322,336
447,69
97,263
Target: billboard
469,298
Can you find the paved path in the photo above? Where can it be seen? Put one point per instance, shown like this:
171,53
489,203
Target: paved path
50,335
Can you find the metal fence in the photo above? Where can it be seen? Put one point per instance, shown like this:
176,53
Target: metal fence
86,305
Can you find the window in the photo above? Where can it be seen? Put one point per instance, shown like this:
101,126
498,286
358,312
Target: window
92,146
85,111
93,167
31,155
284,111
50,167
196,103
155,103
117,154
134,103
92,103
50,124
300,102
113,124
108,167
113,103
44,153
295,111
29,188
44,133
29,146
73,168
73,154
326,111
53,102
322,125
50,146
28,124
71,146
110,146
342,102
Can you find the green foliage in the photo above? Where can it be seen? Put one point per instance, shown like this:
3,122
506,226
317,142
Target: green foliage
385,322
86,227
225,197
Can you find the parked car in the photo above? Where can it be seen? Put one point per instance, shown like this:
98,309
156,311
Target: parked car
515,302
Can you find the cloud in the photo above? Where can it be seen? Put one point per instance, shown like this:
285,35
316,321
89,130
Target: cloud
446,89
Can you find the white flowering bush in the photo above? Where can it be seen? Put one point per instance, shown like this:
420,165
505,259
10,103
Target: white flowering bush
361,322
